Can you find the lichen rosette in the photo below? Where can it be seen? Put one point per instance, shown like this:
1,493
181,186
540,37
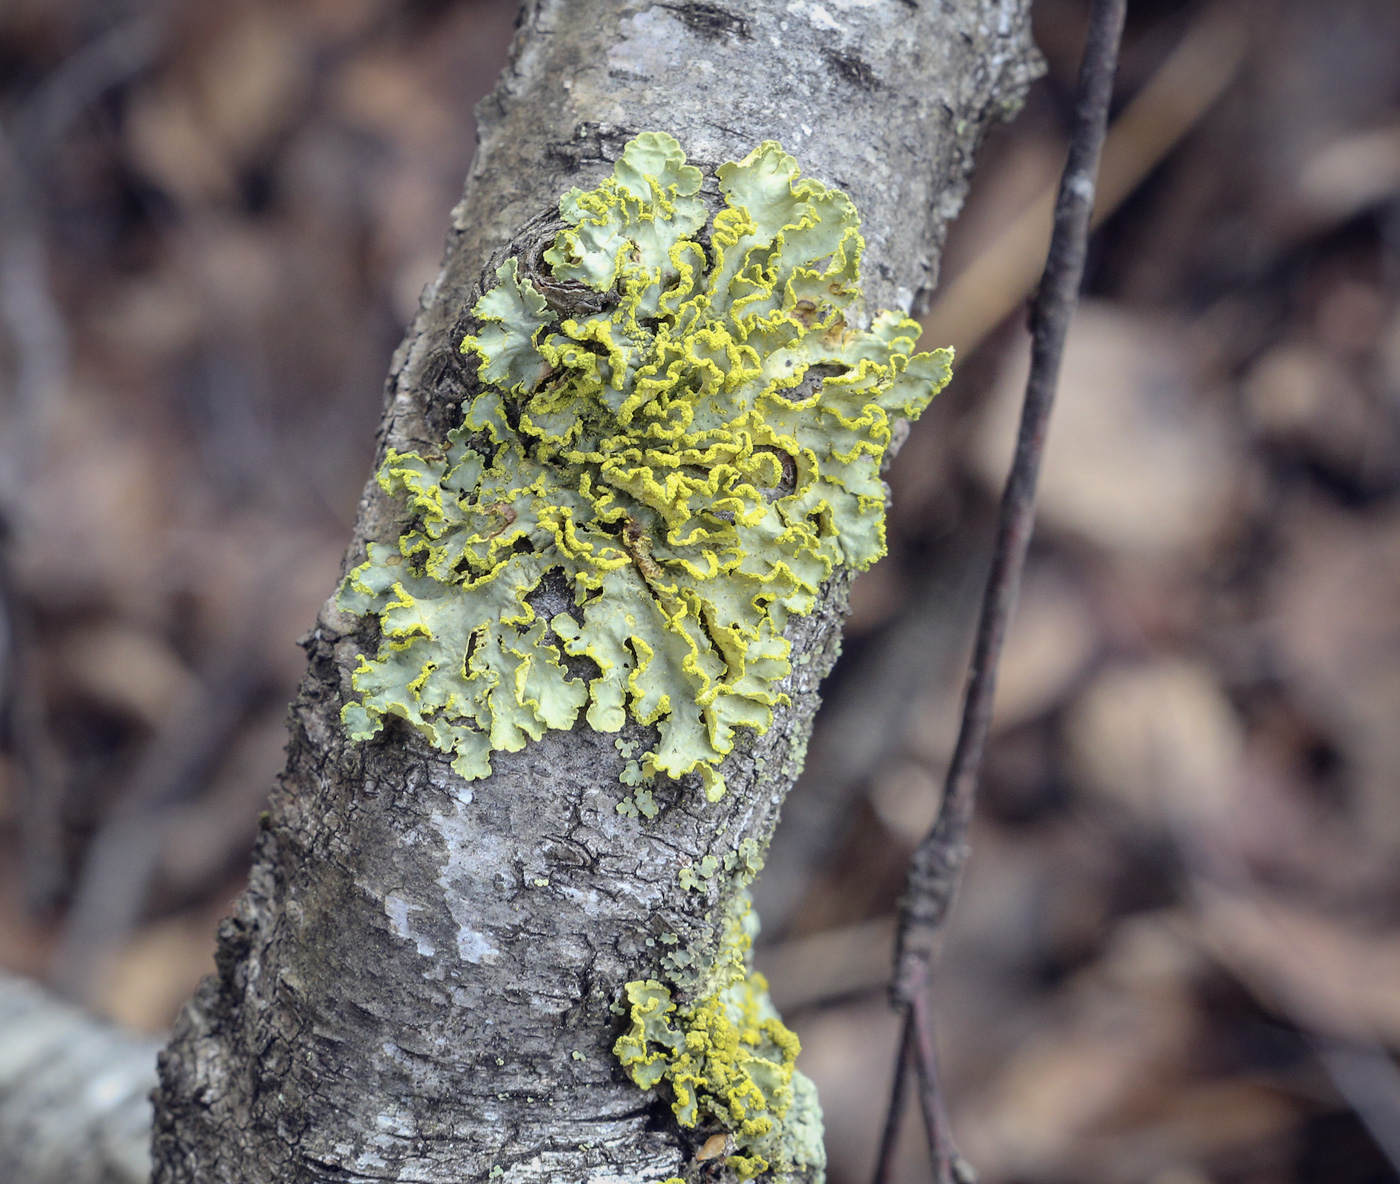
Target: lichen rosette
691,461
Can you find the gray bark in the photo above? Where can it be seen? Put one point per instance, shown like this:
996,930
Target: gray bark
74,1094
418,982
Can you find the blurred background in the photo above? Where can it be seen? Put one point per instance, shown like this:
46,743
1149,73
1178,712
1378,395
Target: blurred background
1177,956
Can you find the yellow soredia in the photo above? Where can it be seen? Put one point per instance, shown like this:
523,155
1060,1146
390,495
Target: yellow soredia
692,460
728,1060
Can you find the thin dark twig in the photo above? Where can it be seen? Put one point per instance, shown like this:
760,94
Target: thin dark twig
936,867
948,1163
893,1116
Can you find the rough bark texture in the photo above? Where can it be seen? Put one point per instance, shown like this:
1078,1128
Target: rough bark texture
74,1094
418,982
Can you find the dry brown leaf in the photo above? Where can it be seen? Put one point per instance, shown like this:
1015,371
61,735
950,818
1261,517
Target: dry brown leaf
251,77
826,965
1160,739
1050,642
386,95
1293,390
1202,1121
1326,974
232,87
1336,622
1120,1054
146,983
169,144
1320,401
1349,173
1134,462
126,668
713,1147
906,798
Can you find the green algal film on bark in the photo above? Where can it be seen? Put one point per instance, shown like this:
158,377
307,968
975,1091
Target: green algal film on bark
692,461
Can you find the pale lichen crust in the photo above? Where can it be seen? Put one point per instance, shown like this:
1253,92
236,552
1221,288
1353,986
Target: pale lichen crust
728,1062
692,460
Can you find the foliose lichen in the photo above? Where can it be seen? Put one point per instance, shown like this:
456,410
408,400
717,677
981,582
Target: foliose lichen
728,1061
691,461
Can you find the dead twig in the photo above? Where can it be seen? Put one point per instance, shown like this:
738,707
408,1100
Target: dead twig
936,867
889,1137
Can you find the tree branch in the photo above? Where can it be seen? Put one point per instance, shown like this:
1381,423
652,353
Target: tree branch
74,1094
419,982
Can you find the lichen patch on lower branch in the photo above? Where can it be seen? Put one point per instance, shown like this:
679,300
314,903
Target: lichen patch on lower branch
728,1062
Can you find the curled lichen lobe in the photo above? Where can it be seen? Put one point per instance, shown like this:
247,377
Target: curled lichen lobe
693,459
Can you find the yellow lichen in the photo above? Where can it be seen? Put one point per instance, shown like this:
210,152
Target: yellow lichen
727,1059
690,462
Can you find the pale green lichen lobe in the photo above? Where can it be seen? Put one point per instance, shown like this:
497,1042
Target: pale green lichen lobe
692,461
